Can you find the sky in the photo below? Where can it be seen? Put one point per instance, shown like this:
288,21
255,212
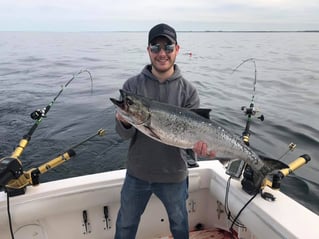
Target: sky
141,15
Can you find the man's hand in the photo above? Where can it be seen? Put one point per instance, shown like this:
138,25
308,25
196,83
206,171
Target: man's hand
200,148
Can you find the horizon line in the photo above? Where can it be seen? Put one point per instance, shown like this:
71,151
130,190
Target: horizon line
147,31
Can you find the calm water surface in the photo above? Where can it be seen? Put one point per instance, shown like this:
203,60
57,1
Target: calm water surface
34,66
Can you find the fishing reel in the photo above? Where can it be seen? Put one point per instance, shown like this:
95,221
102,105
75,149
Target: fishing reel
273,180
10,169
14,181
38,114
249,111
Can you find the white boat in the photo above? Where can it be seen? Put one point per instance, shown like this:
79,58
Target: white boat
87,206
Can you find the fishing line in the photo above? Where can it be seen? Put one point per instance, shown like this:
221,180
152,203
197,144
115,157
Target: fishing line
250,110
255,75
39,114
291,147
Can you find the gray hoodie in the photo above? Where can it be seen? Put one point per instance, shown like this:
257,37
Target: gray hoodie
148,159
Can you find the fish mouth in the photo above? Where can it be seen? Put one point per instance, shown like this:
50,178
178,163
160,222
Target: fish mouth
120,103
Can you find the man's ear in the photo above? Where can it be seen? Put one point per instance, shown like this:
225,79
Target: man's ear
177,47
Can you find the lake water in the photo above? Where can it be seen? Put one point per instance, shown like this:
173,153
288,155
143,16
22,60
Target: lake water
34,66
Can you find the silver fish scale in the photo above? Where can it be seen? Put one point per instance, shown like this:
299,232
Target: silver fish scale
183,128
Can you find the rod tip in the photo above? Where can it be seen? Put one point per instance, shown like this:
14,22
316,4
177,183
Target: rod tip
101,132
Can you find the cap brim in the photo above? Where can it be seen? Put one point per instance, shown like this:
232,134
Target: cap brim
164,35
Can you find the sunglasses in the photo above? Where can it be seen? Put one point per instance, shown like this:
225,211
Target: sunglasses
156,48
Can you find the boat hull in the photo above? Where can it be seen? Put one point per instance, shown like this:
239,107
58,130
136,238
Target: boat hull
55,209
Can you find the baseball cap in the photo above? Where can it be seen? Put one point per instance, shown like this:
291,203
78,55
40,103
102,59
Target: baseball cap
162,30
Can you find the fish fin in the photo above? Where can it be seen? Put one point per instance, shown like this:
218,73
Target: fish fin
273,164
224,161
202,112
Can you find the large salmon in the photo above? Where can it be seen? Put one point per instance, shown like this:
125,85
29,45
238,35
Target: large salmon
181,127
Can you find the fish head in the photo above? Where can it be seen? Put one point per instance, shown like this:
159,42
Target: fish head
133,108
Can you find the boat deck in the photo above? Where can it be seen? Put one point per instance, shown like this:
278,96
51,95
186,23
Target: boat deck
207,234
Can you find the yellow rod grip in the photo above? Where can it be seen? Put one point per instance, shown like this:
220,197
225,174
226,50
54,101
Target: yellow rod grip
295,164
56,161
19,149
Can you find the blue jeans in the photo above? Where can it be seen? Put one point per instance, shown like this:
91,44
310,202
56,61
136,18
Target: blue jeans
135,195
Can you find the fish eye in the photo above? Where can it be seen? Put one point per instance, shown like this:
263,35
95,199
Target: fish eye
129,102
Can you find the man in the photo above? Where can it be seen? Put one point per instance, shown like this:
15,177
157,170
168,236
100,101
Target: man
153,167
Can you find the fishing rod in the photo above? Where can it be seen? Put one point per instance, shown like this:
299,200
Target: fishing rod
250,111
39,114
236,168
11,167
242,168
31,177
